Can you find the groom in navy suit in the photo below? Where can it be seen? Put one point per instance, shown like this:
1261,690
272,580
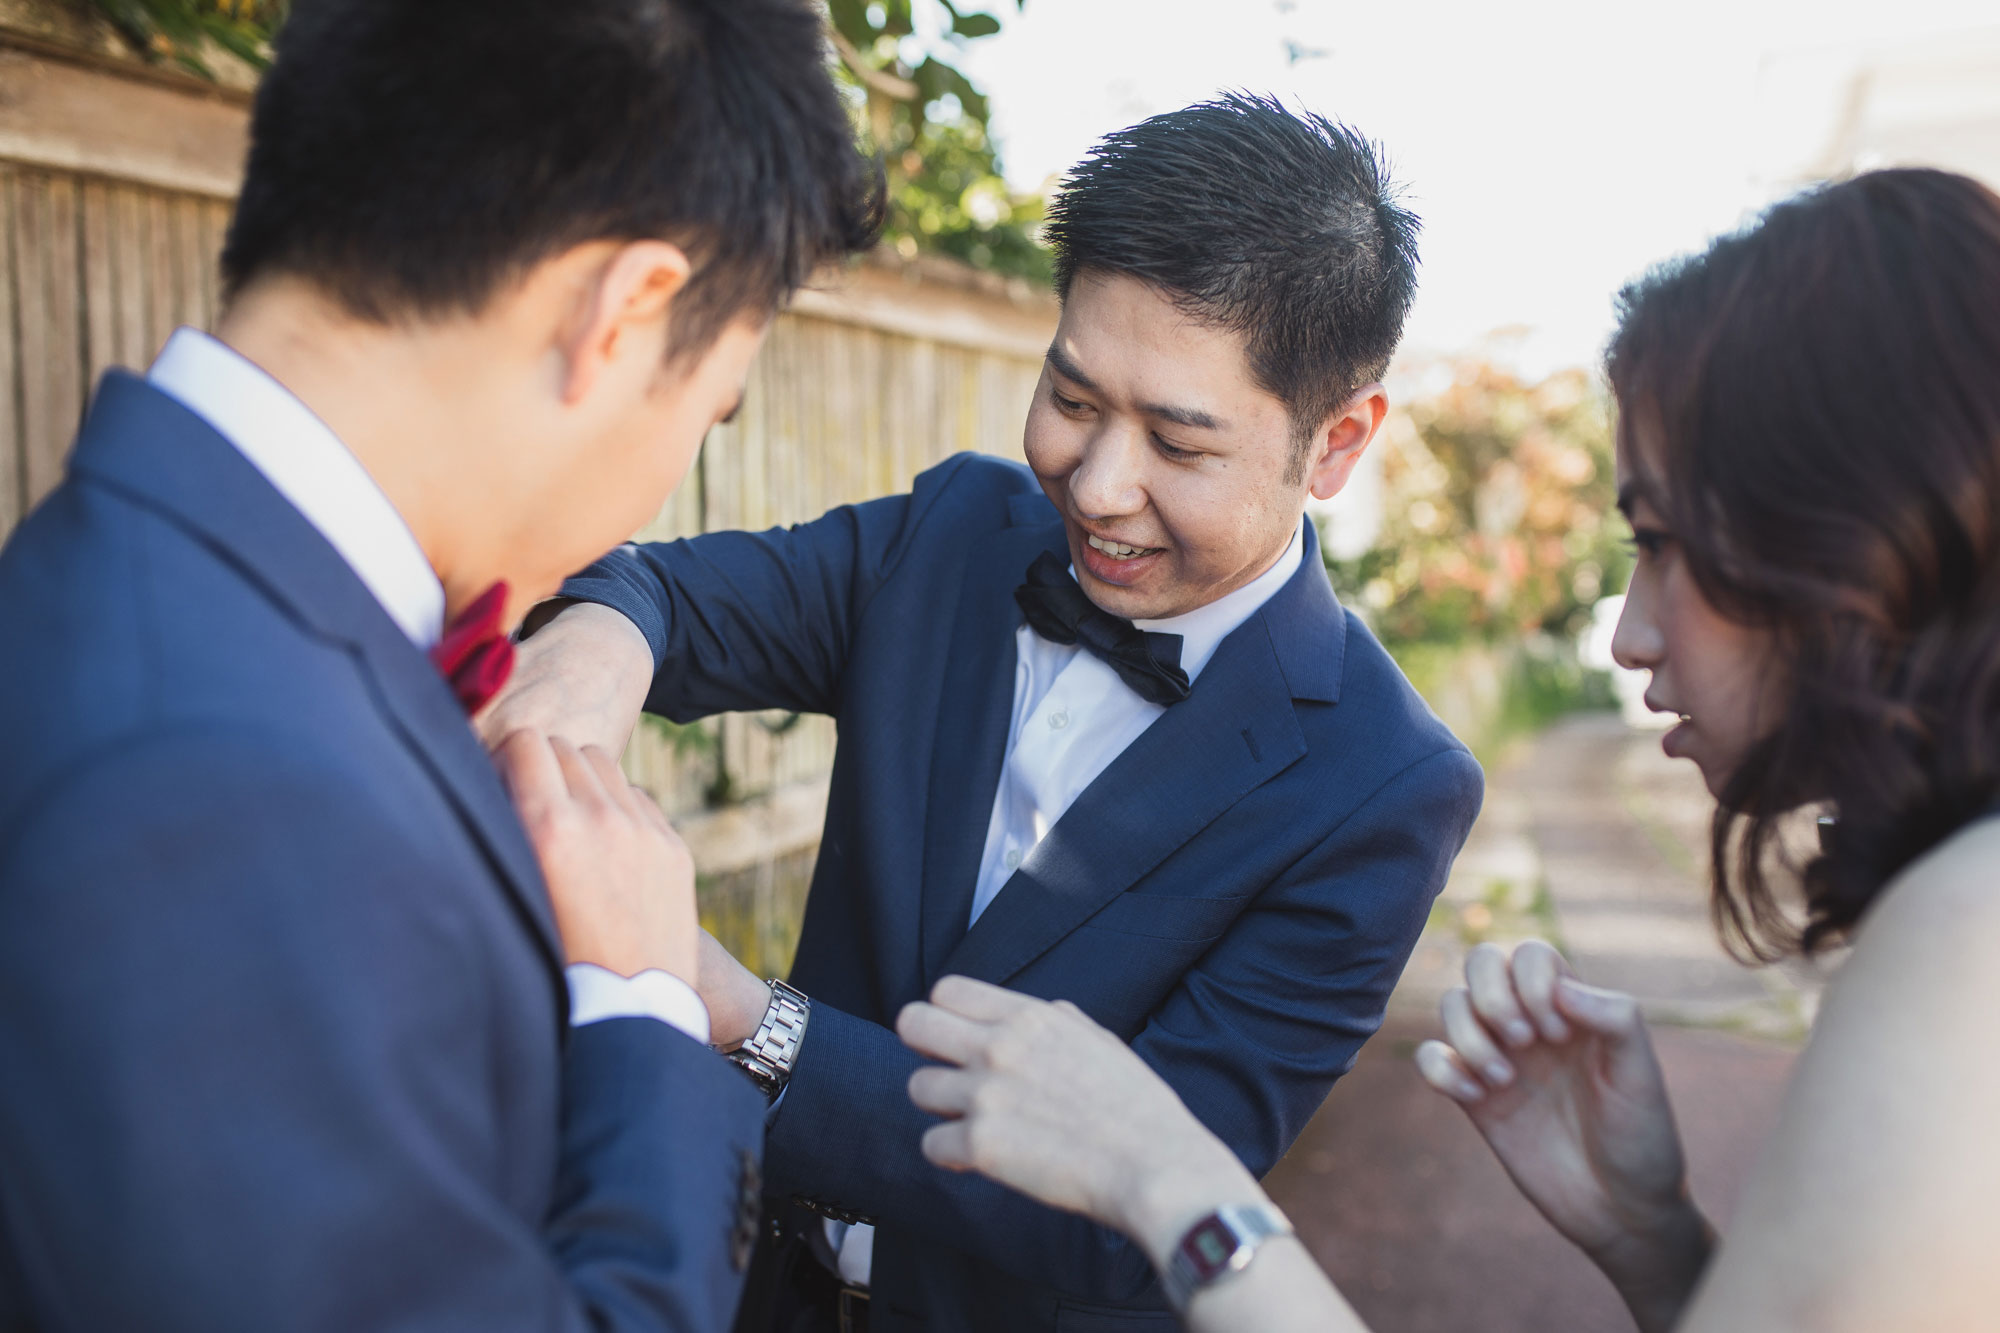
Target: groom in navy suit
308,1025
1105,733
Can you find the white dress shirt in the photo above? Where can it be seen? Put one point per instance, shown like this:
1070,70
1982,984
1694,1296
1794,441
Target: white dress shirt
1072,716
308,465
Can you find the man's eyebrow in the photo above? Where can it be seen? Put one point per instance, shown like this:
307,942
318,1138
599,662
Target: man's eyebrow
1068,369
1192,417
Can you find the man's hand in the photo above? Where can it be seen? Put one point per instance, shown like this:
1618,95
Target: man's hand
583,676
620,878
1561,1080
736,999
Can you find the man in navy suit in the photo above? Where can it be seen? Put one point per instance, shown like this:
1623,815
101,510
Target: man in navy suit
296,1037
1105,732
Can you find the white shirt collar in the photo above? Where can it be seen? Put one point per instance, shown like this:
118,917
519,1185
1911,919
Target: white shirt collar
1203,629
301,457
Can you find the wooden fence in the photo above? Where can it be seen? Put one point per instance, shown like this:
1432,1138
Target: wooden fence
115,185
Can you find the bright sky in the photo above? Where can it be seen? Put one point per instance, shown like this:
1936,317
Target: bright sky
1553,147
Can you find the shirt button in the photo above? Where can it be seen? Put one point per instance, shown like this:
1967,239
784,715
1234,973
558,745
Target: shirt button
1058,720
1012,860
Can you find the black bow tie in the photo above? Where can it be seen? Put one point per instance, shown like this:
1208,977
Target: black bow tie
1058,611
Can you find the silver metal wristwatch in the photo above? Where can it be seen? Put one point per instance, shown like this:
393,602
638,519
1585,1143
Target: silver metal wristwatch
1221,1243
771,1052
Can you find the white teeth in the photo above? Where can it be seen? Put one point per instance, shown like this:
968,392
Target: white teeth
1116,550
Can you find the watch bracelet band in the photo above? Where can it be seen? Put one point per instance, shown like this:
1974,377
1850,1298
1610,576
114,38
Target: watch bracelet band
1218,1244
772,1051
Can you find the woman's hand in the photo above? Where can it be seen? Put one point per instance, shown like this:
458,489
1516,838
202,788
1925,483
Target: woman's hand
1561,1080
1042,1099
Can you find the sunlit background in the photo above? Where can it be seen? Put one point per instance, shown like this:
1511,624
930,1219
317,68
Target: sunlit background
1553,147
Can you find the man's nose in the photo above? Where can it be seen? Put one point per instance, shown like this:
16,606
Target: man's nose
1109,482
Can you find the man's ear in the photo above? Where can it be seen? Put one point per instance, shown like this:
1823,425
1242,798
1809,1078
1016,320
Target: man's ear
1343,438
621,314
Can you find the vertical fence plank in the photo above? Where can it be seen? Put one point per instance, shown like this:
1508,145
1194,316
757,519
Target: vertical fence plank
158,259
51,349
12,465
214,231
191,265
100,280
130,330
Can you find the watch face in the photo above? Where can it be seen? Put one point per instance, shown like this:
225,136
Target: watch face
1210,1246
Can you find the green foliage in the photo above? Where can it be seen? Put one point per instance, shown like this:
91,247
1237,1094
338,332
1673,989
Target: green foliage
956,204
929,123
1498,514
185,32
918,110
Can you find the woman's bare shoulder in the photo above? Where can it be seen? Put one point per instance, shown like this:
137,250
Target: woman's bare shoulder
1872,1204
1956,884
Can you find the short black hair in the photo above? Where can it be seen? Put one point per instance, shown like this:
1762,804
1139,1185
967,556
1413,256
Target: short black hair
412,157
1283,227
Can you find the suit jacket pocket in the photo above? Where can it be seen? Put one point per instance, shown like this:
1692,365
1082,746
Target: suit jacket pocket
1163,916
1072,1317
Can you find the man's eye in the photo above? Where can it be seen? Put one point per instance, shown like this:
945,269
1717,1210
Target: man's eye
1174,451
1065,404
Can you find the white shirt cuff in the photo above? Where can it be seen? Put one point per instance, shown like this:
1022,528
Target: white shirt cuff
597,993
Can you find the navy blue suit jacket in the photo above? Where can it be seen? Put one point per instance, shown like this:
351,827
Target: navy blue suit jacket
285,1041
1236,895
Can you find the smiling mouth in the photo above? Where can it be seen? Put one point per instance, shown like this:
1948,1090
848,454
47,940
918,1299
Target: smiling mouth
1121,551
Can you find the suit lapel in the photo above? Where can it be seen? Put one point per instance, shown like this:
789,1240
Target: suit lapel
145,443
971,744
1236,731
433,724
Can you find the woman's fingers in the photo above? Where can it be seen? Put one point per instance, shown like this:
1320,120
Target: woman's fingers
1536,969
1444,1070
1607,1013
1491,984
1475,1045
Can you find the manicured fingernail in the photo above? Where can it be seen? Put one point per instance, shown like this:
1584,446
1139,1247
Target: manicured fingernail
1519,1032
1555,1029
1468,1091
1499,1073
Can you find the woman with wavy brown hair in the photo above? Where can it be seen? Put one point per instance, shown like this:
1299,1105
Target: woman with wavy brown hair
1809,454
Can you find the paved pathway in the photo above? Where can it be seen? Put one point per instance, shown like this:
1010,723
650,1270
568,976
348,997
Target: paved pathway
1590,837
